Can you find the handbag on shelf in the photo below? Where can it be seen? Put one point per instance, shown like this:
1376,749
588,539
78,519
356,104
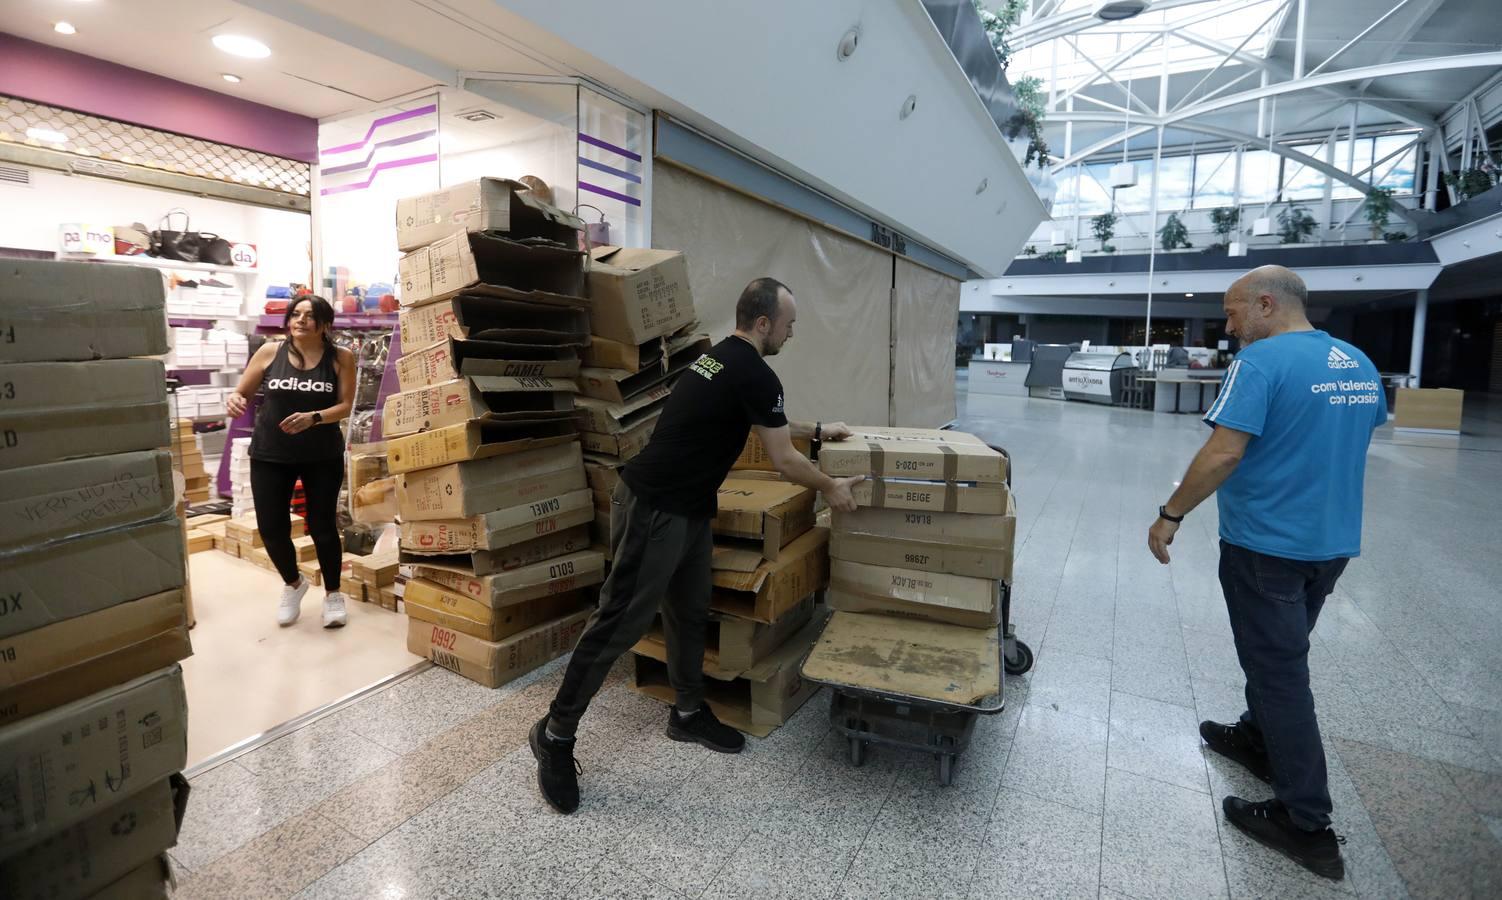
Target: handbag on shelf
213,249
169,243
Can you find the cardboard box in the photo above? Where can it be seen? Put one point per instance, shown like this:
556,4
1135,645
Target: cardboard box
732,646
389,598
305,549
603,474
47,667
777,586
953,543
493,663
449,359
621,386
147,881
461,490
878,653
431,603
756,703
628,444
754,456
500,528
605,417
64,765
82,575
930,460
55,310
64,499
473,440
375,570
479,398
1428,409
858,587
490,562
199,541
604,353
933,496
89,856
638,294
560,575
486,204
562,322
311,571
772,513
67,410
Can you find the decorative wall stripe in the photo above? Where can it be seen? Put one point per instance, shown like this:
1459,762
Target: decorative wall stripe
601,167
605,145
604,192
380,167
385,120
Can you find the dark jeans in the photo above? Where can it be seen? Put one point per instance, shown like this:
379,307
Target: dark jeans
660,560
271,485
1274,604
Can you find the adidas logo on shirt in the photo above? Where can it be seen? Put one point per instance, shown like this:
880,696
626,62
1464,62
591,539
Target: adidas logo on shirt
1339,360
292,384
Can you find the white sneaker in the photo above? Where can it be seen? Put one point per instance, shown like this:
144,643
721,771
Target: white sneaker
334,615
290,606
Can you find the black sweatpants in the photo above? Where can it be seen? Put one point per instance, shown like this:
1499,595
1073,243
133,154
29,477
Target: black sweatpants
271,484
661,560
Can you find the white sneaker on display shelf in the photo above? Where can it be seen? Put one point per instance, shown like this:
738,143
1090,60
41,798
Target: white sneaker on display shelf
290,606
334,615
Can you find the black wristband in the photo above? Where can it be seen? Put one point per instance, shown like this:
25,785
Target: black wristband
317,418
1163,514
818,432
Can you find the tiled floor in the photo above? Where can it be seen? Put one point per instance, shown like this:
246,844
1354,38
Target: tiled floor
1091,784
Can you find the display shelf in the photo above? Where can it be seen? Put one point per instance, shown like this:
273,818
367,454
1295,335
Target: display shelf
156,263
384,320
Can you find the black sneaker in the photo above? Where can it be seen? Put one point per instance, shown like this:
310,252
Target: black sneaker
557,770
1268,824
703,728
1232,742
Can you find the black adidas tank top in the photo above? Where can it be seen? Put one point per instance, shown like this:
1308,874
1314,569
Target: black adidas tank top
289,390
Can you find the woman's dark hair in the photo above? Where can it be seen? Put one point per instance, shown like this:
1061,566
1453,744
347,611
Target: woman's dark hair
323,314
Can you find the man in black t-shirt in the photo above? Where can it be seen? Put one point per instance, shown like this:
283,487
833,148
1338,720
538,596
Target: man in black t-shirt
660,521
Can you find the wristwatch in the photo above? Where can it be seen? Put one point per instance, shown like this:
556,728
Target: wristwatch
317,418
1163,514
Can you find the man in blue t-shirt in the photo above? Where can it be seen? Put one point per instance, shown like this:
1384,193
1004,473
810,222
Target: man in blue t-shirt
1286,460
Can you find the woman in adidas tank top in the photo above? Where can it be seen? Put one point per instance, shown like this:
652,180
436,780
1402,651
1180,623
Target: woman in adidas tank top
309,385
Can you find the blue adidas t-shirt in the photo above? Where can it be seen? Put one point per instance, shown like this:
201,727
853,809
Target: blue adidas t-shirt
1311,403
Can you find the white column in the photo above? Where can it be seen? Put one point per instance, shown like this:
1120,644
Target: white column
1420,320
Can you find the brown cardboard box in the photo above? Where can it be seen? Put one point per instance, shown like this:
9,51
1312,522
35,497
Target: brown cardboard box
756,703
624,446
461,490
845,601
622,386
857,587
877,653
147,881
492,265
82,575
450,359
68,410
199,541
882,433
1429,409
603,474
109,845
66,763
958,529
952,543
874,454
477,398
431,603
776,586
486,204
771,513
311,571
62,499
55,310
375,570
44,668
473,440
493,663
638,294
305,549
754,457
732,646
490,562
932,496
604,417
604,353
497,314
560,575
389,598
499,528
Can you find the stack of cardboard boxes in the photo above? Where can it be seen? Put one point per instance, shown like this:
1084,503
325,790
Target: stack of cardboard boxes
643,336
93,713
932,539
188,459
241,502
482,439
770,563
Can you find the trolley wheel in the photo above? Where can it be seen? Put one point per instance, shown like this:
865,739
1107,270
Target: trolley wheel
946,769
1020,661
857,751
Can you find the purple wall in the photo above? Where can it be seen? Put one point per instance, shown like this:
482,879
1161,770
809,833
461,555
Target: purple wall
71,80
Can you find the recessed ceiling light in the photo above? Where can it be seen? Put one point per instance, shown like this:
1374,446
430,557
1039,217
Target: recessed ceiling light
64,28
240,45
232,79
1188,295
47,134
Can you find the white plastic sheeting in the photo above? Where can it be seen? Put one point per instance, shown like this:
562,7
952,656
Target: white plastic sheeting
925,314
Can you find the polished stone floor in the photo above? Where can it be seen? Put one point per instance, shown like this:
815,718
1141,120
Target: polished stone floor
1092,783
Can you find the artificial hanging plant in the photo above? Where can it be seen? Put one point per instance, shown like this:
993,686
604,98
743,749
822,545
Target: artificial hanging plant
1173,234
1104,226
1028,91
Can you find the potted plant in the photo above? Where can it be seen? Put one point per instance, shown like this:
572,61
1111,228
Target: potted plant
1470,183
1173,234
1223,221
1378,207
1104,226
1057,254
1294,224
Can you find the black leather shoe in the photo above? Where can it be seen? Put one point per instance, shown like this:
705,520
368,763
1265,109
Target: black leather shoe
1232,742
1268,824
703,728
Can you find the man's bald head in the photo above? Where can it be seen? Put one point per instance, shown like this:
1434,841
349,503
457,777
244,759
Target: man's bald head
1265,301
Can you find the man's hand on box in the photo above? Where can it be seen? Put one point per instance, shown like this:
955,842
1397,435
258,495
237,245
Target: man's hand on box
840,498
836,431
